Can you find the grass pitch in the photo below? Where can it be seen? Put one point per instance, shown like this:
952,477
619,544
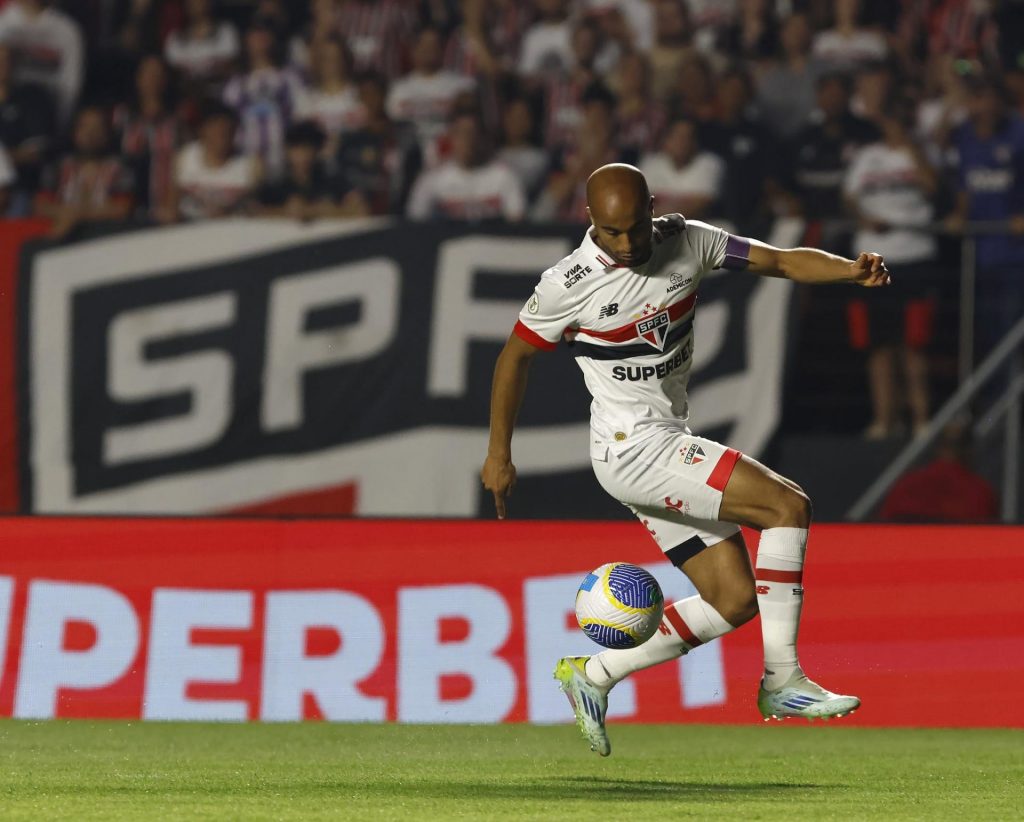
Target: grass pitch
119,770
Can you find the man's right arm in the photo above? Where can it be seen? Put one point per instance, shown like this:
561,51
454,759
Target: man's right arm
507,391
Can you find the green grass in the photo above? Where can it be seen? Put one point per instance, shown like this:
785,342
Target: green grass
118,770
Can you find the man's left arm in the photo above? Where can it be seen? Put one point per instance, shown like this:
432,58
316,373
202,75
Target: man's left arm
813,266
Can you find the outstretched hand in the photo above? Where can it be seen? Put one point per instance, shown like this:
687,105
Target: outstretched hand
869,270
499,477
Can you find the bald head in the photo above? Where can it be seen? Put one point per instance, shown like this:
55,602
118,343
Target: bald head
619,205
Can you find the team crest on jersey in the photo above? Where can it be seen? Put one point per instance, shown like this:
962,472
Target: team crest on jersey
654,329
694,455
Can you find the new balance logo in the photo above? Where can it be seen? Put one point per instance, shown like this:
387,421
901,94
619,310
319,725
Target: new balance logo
609,310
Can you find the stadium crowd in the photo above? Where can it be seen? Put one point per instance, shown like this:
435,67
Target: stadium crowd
894,116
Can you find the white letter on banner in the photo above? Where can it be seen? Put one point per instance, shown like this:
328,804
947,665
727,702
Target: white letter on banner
459,319
6,601
174,661
288,673
292,351
46,666
551,633
205,376
423,658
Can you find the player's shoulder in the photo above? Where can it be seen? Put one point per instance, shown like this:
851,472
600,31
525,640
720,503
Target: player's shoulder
559,272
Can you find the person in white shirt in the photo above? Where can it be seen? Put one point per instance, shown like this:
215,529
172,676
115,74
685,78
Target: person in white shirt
848,45
467,187
47,47
332,99
204,49
889,188
426,96
683,177
547,44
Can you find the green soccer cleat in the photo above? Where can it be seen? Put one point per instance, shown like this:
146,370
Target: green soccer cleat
800,697
589,702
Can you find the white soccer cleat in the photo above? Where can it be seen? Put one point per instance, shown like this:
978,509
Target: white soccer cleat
589,702
800,697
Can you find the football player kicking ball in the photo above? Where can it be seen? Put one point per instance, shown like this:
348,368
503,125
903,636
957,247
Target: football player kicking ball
626,298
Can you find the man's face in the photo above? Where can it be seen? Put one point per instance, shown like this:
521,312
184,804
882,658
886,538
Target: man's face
218,136
681,143
426,55
465,141
91,133
832,98
301,158
623,226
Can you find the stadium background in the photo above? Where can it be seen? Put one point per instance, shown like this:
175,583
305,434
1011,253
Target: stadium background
258,259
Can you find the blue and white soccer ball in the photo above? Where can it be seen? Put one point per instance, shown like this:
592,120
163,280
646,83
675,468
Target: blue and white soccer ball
619,605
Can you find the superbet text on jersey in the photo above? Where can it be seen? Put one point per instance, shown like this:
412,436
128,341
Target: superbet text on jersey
631,329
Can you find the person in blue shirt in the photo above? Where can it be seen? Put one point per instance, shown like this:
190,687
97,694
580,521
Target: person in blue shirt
988,153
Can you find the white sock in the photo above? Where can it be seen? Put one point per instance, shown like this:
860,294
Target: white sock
780,597
686,624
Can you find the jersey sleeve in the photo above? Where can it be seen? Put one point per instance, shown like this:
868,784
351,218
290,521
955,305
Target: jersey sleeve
546,315
717,248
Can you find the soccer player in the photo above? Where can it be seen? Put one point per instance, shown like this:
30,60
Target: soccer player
626,298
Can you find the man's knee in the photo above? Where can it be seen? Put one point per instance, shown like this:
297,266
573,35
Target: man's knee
736,603
792,508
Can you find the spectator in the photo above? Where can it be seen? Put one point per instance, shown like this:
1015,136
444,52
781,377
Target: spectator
944,106
547,44
204,50
26,127
710,18
944,490
8,177
746,147
468,186
150,135
322,26
470,50
520,149
380,159
626,26
673,46
426,96
332,99
90,184
263,97
786,92
640,120
565,195
683,178
211,178
889,189
376,31
823,150
874,87
306,192
564,91
848,45
48,50
989,158
694,95
751,37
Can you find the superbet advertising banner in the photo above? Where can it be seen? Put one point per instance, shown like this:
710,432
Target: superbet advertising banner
455,622
265,366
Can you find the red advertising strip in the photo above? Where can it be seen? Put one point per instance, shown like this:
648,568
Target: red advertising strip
463,621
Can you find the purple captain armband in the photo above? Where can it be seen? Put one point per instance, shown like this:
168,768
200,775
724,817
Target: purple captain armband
737,253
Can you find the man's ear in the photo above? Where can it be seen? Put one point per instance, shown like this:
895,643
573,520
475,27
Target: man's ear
651,206
590,217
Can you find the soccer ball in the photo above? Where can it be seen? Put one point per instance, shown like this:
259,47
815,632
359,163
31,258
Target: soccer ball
619,605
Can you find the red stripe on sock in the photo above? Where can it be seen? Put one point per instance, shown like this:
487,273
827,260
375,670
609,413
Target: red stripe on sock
771,575
723,470
677,622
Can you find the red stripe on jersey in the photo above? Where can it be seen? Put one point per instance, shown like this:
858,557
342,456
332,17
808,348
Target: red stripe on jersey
771,575
677,622
532,337
723,470
626,333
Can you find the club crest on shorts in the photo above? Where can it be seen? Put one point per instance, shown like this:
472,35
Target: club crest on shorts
694,455
654,329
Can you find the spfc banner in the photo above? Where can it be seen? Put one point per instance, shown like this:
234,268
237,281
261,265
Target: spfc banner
263,366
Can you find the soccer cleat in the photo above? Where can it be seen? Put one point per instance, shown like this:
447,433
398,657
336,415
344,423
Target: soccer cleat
800,697
589,702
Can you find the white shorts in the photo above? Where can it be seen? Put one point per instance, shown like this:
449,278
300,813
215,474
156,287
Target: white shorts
673,482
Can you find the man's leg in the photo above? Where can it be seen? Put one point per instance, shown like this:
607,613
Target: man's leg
725,600
758,497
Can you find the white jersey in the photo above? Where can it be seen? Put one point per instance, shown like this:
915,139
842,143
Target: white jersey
631,328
